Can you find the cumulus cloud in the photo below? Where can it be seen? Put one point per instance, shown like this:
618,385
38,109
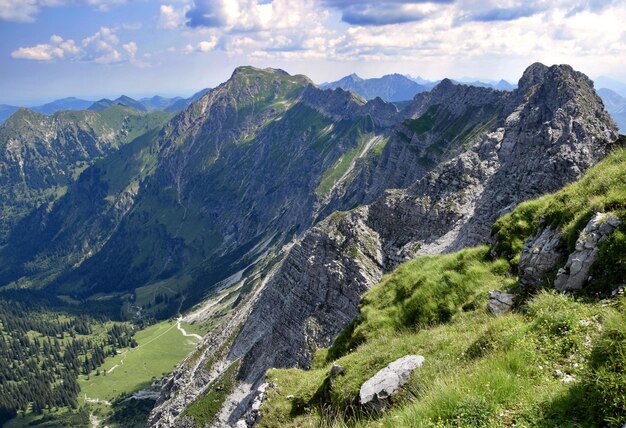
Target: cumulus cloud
18,11
366,13
251,15
103,47
26,10
170,17
203,46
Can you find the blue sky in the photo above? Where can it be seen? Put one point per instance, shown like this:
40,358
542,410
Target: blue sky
95,48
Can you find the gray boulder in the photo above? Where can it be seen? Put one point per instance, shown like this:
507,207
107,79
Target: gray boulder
387,381
576,271
500,302
540,256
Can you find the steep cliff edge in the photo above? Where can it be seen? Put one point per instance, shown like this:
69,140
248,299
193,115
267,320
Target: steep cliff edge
543,136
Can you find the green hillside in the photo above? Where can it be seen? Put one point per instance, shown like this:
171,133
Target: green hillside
40,156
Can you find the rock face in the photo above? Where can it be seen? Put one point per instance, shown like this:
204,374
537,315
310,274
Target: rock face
540,256
576,271
387,381
499,302
423,139
541,137
311,312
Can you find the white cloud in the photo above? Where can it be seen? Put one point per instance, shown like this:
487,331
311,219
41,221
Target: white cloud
489,37
103,47
170,17
131,49
203,46
18,11
43,52
26,10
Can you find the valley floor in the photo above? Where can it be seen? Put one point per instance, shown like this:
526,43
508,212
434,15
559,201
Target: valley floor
134,372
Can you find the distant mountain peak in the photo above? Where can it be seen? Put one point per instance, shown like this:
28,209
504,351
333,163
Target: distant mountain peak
390,87
248,71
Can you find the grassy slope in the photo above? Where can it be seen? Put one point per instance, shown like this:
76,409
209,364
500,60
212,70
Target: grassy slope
161,347
481,370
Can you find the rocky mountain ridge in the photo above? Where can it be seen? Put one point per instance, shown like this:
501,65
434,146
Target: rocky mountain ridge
538,138
256,156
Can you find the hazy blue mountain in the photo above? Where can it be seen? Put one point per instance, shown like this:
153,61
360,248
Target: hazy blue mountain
612,84
183,103
147,104
616,105
420,80
123,100
158,102
503,85
391,87
6,111
70,103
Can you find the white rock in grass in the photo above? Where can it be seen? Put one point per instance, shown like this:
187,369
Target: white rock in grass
387,381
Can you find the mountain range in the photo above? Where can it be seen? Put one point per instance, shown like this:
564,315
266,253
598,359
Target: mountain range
156,103
398,88
268,207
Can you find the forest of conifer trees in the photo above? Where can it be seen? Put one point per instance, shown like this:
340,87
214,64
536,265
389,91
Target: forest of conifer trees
42,353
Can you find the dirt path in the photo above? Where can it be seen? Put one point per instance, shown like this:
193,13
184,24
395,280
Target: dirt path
184,332
96,401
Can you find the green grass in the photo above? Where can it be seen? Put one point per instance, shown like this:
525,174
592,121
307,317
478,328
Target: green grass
404,300
425,122
479,370
54,419
161,347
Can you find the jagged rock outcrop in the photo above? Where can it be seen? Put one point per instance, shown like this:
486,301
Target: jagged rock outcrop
575,273
351,259
543,136
540,257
